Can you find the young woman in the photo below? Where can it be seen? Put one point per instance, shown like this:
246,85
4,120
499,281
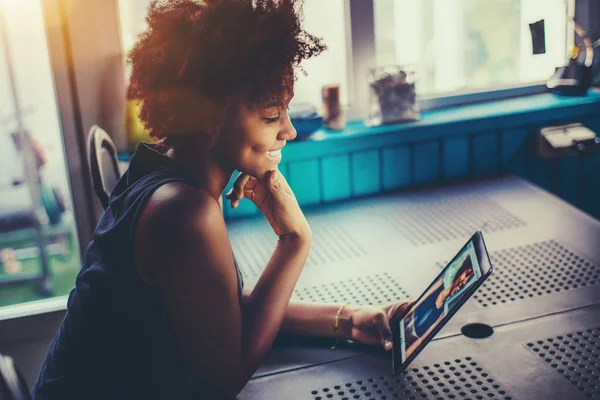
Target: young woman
158,311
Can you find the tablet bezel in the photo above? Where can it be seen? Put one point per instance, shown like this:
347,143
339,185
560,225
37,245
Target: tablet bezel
485,265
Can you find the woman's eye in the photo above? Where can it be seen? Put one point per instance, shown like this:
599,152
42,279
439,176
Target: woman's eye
272,119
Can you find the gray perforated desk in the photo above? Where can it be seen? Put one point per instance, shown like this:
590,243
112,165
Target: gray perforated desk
543,299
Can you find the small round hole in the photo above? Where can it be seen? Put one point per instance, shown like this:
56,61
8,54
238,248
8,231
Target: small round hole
477,331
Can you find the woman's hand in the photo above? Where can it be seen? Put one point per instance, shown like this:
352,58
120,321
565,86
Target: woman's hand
275,199
371,324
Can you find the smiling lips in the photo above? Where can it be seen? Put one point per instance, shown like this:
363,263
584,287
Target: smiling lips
274,155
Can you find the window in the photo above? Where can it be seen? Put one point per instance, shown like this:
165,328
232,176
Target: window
26,235
325,19
461,46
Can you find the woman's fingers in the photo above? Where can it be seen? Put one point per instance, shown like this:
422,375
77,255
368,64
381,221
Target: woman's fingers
239,184
255,191
385,332
237,192
398,310
365,337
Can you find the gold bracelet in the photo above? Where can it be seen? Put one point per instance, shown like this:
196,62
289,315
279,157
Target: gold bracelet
336,325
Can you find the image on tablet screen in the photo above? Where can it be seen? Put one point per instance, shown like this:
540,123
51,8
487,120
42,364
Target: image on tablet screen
440,298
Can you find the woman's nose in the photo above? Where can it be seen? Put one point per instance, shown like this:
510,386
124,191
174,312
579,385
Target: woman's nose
287,132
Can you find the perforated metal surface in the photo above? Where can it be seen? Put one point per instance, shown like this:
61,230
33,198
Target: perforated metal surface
330,243
535,270
252,251
367,290
452,218
576,356
561,274
457,379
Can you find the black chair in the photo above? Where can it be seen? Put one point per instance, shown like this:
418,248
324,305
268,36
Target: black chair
104,164
12,383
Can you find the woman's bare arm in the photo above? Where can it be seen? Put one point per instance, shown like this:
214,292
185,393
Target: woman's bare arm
317,319
183,248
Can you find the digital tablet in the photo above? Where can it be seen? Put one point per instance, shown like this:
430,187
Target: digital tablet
439,302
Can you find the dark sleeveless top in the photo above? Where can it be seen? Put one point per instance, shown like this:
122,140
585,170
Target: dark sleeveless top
115,341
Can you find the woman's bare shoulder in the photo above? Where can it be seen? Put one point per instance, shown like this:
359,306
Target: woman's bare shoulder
177,213
178,224
179,203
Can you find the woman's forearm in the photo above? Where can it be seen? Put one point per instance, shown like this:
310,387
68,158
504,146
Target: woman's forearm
317,319
265,307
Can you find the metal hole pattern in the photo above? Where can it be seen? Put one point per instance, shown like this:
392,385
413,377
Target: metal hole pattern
330,243
436,221
534,270
576,356
457,379
368,290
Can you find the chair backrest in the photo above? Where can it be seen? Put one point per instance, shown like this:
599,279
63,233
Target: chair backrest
12,383
104,164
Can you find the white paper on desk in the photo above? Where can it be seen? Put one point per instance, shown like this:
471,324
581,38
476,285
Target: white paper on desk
559,140
581,133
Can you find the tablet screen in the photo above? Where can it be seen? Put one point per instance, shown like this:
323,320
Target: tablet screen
438,300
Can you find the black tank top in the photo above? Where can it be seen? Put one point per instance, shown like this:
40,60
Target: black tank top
115,341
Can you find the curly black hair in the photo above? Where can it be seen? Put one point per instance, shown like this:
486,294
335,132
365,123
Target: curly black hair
197,56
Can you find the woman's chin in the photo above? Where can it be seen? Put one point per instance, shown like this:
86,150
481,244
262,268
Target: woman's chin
270,166
262,170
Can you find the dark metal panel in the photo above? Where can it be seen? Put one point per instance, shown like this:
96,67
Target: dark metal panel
513,150
366,172
485,153
426,162
455,156
335,177
396,167
570,175
304,178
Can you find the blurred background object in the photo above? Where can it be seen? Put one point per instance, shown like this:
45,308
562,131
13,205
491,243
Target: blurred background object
538,37
393,95
575,78
305,118
334,117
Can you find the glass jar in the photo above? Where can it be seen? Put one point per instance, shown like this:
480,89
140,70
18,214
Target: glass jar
393,95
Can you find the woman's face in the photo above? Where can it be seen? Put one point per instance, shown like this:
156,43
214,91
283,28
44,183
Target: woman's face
459,283
256,138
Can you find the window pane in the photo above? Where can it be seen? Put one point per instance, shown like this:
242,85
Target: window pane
324,19
465,45
22,244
